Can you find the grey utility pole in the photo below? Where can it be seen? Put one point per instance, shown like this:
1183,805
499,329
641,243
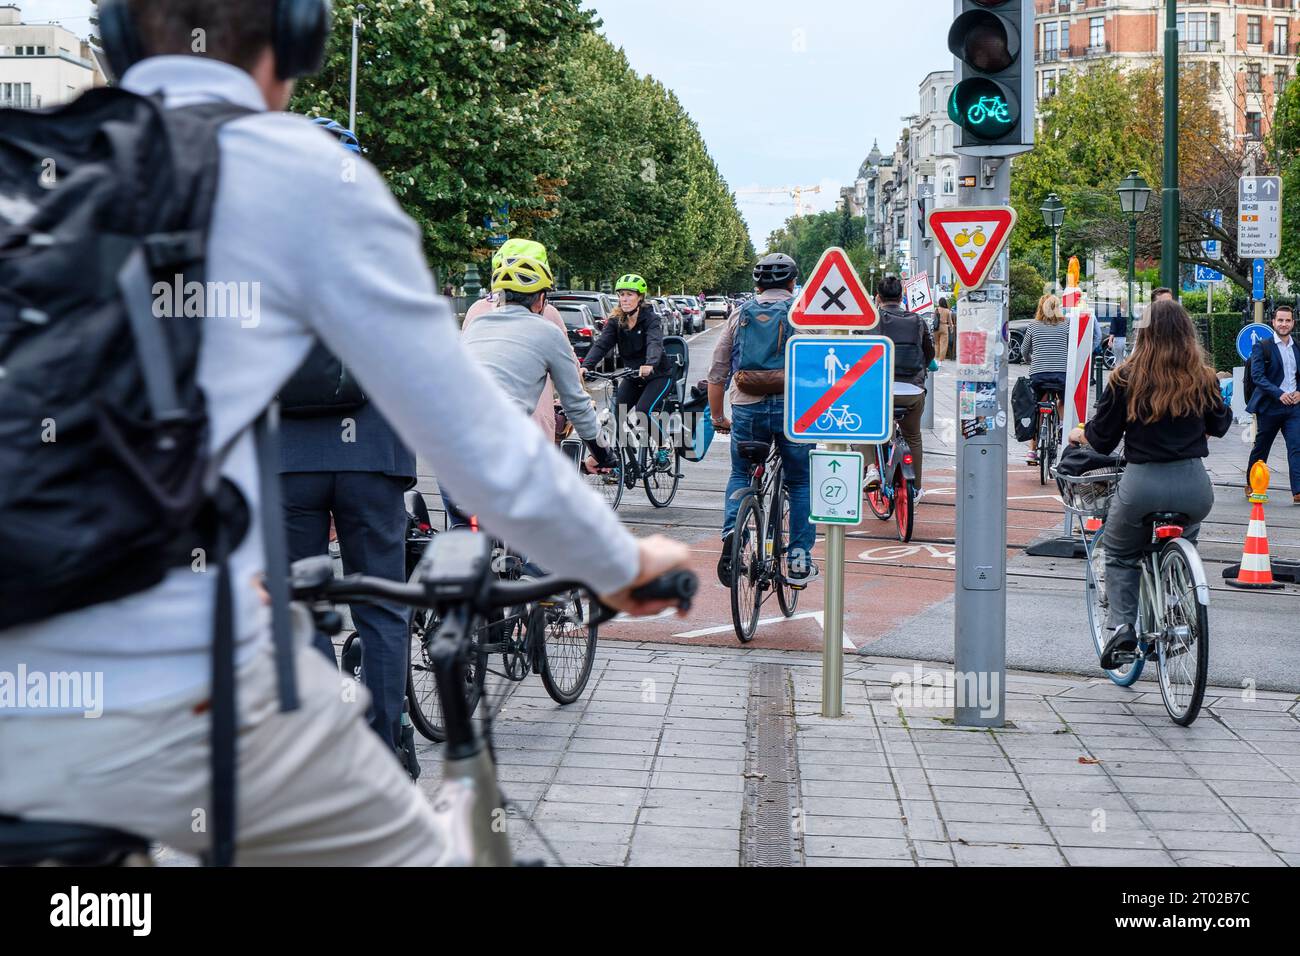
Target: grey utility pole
356,43
980,650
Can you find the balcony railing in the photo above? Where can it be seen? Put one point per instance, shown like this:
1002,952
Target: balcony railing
1281,48
28,102
1049,56
1096,49
1200,46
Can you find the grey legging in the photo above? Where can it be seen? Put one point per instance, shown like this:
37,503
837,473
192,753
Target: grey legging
1181,486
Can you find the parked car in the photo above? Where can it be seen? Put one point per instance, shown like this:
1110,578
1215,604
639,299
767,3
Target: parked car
668,314
602,305
580,324
691,312
716,307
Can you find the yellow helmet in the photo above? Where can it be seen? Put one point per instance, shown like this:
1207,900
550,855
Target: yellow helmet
520,247
522,274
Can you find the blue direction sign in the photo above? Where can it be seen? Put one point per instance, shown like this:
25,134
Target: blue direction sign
1257,293
1248,336
1206,274
839,388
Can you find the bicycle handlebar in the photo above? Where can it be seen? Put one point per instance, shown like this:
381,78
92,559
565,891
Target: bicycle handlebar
679,587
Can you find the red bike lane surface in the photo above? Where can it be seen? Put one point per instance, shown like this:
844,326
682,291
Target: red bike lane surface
886,582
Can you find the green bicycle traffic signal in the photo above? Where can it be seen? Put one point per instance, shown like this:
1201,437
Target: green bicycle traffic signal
992,100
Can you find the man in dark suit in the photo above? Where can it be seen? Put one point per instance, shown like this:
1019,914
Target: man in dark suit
351,464
1275,400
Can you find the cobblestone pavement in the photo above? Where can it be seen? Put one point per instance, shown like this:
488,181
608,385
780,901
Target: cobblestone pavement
664,762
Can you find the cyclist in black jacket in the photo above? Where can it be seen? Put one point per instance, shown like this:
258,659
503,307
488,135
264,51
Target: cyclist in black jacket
637,331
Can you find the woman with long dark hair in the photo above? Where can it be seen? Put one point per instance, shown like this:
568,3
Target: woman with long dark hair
1162,403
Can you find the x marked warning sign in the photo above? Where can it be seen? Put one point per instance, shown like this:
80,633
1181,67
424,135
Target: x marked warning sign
971,238
834,298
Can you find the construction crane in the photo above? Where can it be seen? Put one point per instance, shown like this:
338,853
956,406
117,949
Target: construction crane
794,192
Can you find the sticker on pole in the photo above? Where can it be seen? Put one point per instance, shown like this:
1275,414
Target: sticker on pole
971,239
839,388
834,298
836,487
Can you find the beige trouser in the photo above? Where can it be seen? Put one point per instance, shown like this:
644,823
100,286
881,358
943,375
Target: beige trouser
316,787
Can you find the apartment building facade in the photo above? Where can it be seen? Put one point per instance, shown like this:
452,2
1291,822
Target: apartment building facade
43,65
1248,48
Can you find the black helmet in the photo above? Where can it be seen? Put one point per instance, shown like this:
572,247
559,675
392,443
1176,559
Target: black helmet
776,269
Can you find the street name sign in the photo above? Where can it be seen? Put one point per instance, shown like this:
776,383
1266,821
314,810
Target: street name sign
1259,217
836,487
839,389
971,238
834,298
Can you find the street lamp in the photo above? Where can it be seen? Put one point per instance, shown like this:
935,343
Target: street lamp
873,280
1053,211
1134,193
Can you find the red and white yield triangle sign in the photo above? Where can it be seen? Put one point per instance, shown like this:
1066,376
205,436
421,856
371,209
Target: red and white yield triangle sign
971,238
834,298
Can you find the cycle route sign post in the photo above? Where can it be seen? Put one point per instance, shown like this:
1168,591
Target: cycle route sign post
838,389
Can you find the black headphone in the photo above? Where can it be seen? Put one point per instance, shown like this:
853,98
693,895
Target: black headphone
301,28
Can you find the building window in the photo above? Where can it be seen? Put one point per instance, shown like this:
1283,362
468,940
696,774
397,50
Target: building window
949,181
1280,76
1193,32
1255,30
1097,33
1253,80
1254,126
1280,34
1065,36
1214,28
1049,37
1215,79
1048,87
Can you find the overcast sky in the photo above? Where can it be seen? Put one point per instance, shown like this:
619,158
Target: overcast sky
786,92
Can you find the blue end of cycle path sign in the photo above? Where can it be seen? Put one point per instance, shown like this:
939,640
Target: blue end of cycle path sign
839,388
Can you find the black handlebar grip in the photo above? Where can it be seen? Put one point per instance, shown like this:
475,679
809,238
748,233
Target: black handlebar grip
678,586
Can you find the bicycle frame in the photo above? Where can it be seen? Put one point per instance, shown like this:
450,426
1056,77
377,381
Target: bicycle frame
890,465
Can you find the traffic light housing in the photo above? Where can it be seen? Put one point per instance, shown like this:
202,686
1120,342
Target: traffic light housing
992,100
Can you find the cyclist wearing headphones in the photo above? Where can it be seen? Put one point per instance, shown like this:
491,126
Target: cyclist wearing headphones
341,262
639,336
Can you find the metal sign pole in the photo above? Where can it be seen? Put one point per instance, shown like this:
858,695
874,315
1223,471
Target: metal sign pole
979,653
833,628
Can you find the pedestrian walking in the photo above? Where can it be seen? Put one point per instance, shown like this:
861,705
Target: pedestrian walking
943,329
1274,399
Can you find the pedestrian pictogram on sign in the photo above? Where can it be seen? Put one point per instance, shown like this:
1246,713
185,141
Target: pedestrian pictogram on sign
839,388
971,238
834,298
917,292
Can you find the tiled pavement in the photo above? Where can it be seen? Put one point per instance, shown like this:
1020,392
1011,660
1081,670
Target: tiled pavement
650,768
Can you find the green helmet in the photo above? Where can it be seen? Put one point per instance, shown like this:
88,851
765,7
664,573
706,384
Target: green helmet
632,283
520,248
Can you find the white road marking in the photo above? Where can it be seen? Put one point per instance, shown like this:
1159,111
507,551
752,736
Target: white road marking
818,616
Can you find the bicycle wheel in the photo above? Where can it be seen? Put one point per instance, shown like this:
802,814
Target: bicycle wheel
904,506
1183,636
779,531
609,484
853,423
1045,428
659,471
423,702
1094,589
746,570
567,647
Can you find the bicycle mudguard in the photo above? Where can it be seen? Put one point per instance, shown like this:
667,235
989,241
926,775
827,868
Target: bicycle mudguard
1198,569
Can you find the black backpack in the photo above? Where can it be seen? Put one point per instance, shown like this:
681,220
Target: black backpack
322,386
105,476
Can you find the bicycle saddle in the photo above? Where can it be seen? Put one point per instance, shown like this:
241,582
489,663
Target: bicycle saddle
754,452
29,842
1167,517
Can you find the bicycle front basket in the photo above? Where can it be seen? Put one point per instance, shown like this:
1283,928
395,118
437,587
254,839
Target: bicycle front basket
1088,495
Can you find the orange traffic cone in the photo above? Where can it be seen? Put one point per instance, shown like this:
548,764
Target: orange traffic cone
1255,571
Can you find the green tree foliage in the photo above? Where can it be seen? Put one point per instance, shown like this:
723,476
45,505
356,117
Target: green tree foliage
805,238
1284,149
466,106
1101,124
1027,287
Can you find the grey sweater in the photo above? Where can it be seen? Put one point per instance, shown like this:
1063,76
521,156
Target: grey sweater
520,349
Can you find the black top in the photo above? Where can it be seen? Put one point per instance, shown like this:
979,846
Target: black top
642,345
1119,326
1169,439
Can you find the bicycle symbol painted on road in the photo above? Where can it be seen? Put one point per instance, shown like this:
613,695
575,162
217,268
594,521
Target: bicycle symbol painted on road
898,552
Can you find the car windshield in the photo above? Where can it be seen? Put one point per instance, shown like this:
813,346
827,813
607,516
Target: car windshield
574,318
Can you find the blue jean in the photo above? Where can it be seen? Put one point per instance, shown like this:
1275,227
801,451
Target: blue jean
764,421
1284,419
